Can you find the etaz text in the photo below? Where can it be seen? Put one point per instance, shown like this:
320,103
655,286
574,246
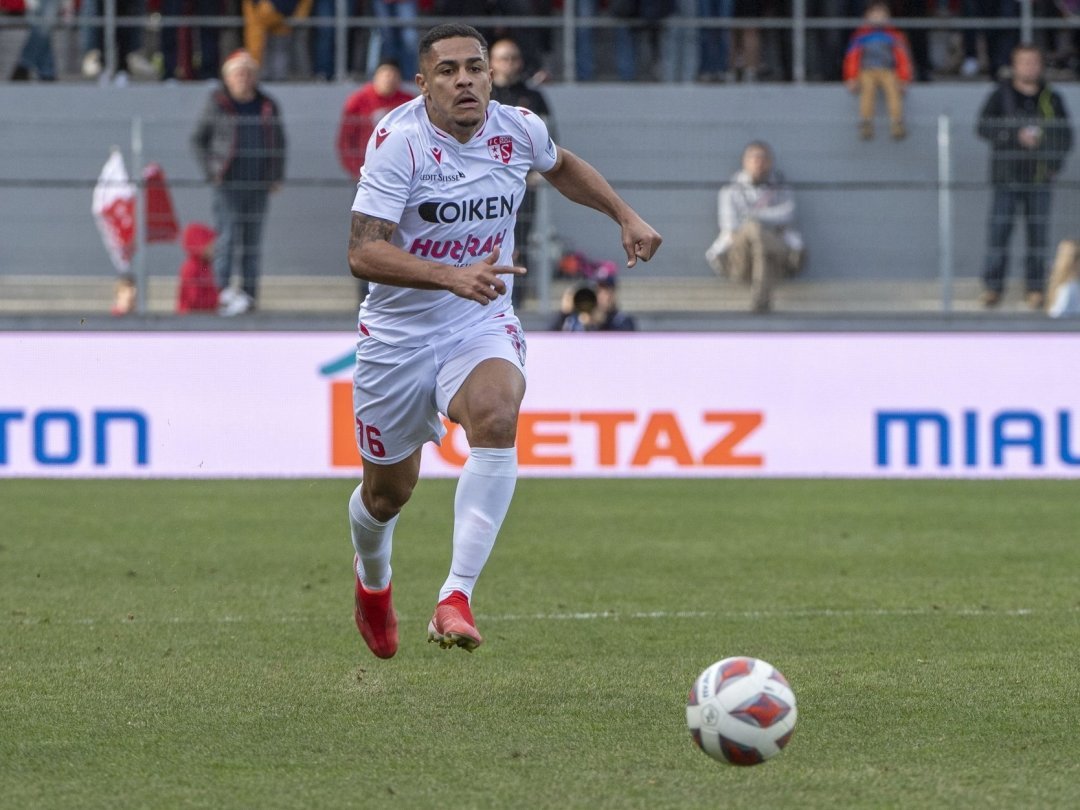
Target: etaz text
611,439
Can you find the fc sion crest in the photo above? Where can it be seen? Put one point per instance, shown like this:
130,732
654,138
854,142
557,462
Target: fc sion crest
501,147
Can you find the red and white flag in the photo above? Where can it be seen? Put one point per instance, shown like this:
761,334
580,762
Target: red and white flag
114,211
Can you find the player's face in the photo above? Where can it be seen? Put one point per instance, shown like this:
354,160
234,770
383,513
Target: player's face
455,80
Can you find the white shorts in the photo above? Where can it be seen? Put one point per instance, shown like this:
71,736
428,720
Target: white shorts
400,391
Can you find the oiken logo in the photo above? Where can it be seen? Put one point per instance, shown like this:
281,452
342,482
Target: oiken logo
474,210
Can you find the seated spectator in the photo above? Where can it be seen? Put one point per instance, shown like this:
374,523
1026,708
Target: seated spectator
609,318
878,56
1063,291
758,243
577,310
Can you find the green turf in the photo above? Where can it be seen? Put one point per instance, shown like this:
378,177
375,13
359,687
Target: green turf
190,644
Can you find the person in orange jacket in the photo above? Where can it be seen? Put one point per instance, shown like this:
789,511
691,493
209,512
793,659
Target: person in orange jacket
878,56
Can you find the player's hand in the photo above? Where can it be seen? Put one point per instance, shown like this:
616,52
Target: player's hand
480,282
640,240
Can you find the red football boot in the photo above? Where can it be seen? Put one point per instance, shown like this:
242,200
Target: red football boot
453,624
375,618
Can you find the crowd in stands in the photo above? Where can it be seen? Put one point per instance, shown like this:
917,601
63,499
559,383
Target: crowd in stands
295,39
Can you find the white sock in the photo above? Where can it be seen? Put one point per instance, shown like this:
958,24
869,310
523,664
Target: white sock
373,541
480,504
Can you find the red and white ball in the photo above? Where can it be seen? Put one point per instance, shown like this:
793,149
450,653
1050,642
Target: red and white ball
741,711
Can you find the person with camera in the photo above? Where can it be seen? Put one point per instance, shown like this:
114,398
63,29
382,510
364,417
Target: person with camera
1027,126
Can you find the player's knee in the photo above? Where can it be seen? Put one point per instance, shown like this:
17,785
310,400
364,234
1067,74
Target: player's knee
494,428
383,502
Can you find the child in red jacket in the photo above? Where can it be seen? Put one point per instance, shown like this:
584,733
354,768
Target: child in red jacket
198,290
878,56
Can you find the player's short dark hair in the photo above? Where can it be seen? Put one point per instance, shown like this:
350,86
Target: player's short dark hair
448,31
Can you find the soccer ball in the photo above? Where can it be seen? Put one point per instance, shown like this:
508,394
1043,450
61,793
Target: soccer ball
741,711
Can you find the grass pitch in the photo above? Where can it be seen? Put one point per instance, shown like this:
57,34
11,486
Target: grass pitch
190,644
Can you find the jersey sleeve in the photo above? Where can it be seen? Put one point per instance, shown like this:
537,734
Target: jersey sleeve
543,147
386,176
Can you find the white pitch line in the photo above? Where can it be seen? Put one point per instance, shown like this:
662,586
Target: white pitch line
603,615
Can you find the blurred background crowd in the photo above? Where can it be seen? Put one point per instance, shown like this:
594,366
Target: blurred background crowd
583,40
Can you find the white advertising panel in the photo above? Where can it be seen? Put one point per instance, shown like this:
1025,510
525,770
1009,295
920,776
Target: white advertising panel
279,404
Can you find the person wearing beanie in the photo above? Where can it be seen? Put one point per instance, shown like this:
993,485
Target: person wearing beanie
239,142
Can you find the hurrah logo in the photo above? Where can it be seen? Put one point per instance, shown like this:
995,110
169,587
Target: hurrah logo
501,147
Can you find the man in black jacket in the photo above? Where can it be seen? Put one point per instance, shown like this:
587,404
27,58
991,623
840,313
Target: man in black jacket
239,142
1029,132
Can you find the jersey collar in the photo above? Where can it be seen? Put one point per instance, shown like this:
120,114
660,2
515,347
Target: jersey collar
450,139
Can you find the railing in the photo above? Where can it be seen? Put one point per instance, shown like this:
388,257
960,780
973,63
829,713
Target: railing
569,27
892,230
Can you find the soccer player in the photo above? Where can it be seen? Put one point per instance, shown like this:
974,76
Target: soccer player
434,212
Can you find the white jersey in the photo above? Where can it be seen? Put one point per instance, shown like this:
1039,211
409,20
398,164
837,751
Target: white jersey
453,203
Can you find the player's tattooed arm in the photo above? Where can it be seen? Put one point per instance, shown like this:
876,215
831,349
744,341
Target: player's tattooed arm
369,239
373,258
369,229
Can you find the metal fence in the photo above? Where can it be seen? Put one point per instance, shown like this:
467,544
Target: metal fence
570,34
889,227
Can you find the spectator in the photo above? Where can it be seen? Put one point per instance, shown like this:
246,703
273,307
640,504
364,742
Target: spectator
577,310
36,55
1063,299
131,16
584,58
825,46
509,87
200,65
362,112
918,38
758,243
393,42
240,143
1027,126
680,44
197,291
714,43
264,18
746,42
999,41
878,56
608,316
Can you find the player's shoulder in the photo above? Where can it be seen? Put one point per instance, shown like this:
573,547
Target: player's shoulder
404,119
397,135
509,115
